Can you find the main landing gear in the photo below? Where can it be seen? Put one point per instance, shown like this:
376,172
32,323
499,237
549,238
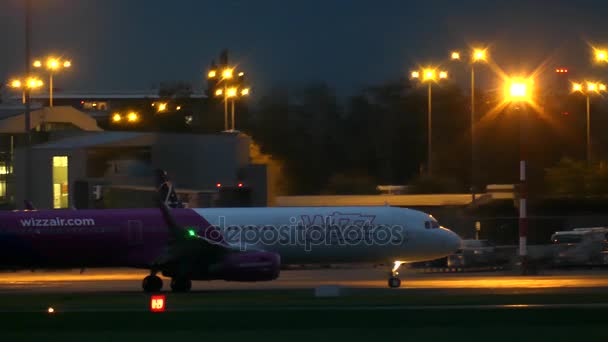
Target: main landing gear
152,283
393,279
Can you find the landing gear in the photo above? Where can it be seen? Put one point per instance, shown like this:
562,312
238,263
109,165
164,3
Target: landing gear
181,284
393,280
152,283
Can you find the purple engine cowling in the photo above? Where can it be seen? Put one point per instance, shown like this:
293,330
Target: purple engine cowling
251,266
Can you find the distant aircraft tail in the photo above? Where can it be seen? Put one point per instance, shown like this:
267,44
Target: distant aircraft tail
166,191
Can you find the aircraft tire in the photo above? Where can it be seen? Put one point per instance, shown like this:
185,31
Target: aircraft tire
152,283
394,282
181,284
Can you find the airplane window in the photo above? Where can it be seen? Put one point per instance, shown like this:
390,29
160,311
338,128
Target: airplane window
427,224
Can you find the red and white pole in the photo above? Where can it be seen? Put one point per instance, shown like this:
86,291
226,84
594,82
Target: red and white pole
523,192
523,214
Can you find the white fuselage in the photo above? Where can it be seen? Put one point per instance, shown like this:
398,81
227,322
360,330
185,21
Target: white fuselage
335,234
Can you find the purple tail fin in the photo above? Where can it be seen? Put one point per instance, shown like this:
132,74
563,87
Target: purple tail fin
166,191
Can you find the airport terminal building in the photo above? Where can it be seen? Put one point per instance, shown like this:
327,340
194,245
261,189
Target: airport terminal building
116,169
74,164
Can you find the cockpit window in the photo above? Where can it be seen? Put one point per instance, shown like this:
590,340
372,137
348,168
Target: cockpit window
431,224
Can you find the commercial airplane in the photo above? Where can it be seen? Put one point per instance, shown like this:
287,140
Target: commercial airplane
233,244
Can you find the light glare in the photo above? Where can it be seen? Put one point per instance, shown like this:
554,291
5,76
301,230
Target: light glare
132,117
591,86
231,92
227,73
52,64
519,89
455,55
479,55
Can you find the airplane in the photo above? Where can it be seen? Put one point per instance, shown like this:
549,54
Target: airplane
232,244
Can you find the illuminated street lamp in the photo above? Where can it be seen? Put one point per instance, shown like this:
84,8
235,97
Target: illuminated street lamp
429,75
520,90
162,107
590,89
226,75
132,117
477,55
116,117
601,55
26,84
229,91
53,65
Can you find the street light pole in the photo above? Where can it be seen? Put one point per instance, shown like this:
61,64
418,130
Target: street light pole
233,114
588,131
430,131
520,91
477,55
225,108
473,149
523,197
429,75
28,141
51,89
590,88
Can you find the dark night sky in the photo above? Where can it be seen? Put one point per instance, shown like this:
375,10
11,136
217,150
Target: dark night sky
134,44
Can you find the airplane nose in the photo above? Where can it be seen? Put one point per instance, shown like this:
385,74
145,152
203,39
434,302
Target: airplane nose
451,241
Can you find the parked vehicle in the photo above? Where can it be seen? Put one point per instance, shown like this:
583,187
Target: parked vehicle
474,253
580,246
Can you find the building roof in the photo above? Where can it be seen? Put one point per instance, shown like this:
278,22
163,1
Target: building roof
105,96
101,139
61,114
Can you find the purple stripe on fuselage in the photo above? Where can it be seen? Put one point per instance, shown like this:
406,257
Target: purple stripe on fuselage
91,238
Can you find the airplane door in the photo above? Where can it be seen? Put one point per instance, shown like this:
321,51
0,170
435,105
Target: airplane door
135,231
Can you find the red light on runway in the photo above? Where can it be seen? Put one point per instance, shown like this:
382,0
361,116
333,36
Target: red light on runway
157,303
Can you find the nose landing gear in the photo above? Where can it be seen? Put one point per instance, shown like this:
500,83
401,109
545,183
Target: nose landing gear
393,280
152,283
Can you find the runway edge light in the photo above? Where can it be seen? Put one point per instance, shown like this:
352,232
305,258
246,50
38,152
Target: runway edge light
157,303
